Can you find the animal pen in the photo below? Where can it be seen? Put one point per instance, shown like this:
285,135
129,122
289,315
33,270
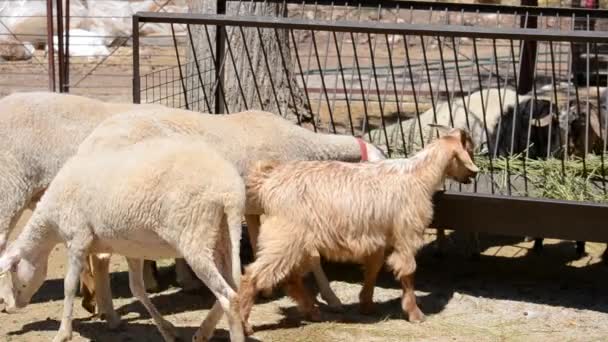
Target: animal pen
373,68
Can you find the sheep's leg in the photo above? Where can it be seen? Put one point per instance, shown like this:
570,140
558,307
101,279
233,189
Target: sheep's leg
101,265
235,231
149,275
372,266
136,283
87,287
441,242
76,259
408,301
326,292
205,331
206,270
580,248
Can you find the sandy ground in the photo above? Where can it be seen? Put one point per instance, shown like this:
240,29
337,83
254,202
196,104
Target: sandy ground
511,294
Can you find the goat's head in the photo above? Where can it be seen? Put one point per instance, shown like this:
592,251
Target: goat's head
461,167
20,278
584,126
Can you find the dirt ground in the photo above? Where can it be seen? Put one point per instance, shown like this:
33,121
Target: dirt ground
510,294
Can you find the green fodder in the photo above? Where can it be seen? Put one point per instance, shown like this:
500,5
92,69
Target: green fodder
573,179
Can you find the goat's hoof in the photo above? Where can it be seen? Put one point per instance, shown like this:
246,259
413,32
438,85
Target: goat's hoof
152,287
114,323
89,305
367,308
266,293
337,308
580,249
247,329
314,315
416,316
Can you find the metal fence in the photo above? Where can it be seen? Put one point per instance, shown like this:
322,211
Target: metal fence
540,130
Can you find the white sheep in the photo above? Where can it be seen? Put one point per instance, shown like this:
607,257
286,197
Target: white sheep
241,138
348,212
475,116
39,132
161,198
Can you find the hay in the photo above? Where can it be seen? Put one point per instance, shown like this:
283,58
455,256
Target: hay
574,179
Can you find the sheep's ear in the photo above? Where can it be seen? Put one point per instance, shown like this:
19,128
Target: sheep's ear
443,130
464,158
8,263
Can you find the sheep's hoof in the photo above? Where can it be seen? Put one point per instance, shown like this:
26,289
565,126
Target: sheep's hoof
538,245
367,308
114,322
337,308
416,316
63,336
580,249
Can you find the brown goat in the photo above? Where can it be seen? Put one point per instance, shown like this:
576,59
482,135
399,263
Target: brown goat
348,212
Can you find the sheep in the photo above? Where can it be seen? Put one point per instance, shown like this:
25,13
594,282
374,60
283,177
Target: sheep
39,132
348,212
241,138
161,198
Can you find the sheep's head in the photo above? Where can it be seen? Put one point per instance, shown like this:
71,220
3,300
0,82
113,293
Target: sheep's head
19,279
585,131
461,167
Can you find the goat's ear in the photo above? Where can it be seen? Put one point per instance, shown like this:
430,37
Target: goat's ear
464,158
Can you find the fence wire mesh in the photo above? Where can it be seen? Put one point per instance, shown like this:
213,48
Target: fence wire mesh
533,99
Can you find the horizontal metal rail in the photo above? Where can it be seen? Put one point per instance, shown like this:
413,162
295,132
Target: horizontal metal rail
451,6
377,28
521,216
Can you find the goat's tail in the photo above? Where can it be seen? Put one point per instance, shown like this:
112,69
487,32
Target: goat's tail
254,181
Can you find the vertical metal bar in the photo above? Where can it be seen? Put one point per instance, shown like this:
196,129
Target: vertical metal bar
459,77
352,39
60,50
529,53
341,67
392,69
411,75
428,76
66,69
220,43
373,60
288,76
304,86
236,74
445,81
316,51
255,82
198,68
50,44
179,67
483,110
265,56
219,88
600,116
136,71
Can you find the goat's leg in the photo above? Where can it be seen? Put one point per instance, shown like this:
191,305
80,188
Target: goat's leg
76,258
474,251
150,276
605,254
538,245
372,266
326,292
253,231
101,271
408,301
136,283
302,296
